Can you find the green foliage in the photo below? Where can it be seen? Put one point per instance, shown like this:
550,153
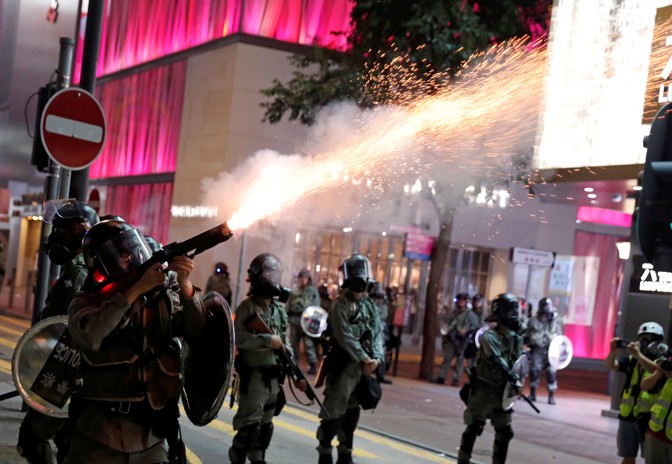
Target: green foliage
396,46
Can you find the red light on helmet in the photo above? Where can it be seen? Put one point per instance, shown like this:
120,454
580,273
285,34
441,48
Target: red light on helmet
98,277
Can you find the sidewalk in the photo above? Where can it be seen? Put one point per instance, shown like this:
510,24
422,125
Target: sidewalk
429,415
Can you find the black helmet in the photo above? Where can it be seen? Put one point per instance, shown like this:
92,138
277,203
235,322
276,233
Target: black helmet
356,273
115,217
154,244
64,241
506,310
303,273
112,248
221,268
377,291
59,212
265,272
461,296
545,306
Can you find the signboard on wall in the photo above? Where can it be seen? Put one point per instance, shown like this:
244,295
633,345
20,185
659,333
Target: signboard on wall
418,246
532,257
646,279
659,78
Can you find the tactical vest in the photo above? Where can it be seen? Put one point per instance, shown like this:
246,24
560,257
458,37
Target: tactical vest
137,360
634,400
660,411
361,315
275,318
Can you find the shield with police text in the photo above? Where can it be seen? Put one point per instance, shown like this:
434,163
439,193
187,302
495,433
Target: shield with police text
207,362
44,366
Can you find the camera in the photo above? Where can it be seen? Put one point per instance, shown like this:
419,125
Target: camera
623,343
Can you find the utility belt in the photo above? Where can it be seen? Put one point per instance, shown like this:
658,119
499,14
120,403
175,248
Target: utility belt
164,421
122,408
268,373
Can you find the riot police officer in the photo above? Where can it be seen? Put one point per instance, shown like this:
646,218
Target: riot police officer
70,220
541,329
125,323
499,349
219,282
356,350
377,294
258,363
461,323
303,296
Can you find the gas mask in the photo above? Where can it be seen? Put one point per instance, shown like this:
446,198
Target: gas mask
268,290
61,246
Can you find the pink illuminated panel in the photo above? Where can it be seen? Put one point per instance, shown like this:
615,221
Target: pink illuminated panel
603,216
144,114
137,31
143,205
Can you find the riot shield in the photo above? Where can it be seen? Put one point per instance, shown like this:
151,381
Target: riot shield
520,368
560,352
314,321
207,362
479,333
44,366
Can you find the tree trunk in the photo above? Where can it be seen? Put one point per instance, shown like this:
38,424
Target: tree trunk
430,323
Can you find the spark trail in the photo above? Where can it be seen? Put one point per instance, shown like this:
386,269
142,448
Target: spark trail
468,129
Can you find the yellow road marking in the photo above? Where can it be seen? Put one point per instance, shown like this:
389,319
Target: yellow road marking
192,458
17,321
7,343
5,366
12,331
375,438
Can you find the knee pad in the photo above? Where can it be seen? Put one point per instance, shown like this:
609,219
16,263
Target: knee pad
247,436
475,428
504,433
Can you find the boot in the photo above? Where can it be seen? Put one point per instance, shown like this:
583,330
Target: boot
439,380
345,458
533,393
312,370
325,459
551,397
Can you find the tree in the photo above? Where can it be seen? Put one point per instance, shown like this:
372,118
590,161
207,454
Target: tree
397,48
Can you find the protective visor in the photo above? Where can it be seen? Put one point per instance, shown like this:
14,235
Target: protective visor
121,254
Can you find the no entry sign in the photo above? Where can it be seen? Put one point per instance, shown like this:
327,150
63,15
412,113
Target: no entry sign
73,128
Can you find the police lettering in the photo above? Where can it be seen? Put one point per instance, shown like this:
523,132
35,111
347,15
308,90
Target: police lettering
66,355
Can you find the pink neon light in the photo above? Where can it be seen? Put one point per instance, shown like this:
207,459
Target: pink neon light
137,31
144,114
603,216
143,205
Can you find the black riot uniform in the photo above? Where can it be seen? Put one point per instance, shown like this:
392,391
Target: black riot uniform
128,324
70,219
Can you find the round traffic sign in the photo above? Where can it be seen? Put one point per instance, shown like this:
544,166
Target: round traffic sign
73,128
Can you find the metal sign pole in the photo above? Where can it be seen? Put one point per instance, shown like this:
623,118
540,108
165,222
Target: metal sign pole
51,192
